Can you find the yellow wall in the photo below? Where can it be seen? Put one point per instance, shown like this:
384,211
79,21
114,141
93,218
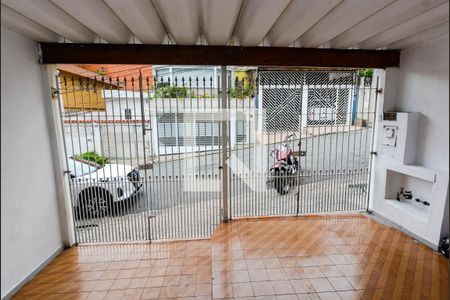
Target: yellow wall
76,97
247,76
242,75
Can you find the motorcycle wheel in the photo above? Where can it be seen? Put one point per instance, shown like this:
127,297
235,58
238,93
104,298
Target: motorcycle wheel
281,183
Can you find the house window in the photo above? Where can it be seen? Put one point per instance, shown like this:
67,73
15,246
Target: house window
127,112
183,130
241,134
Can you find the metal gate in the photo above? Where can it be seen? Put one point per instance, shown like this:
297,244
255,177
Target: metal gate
139,162
155,159
327,119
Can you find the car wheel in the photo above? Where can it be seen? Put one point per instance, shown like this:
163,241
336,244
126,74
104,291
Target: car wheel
281,183
94,203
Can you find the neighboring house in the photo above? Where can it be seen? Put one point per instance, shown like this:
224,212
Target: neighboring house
313,99
80,90
170,73
125,73
94,116
173,127
178,132
205,76
201,83
86,86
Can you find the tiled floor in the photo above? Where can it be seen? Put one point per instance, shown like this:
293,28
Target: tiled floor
333,257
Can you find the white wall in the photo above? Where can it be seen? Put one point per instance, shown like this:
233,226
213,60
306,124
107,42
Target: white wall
421,84
30,225
423,87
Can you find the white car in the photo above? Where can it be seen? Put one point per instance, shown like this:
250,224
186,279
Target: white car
96,189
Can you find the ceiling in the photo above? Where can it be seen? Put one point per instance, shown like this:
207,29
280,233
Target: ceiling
342,24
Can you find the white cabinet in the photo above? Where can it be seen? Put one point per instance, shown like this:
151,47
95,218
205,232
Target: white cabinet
399,136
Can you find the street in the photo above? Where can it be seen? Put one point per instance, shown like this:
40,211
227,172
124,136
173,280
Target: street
326,155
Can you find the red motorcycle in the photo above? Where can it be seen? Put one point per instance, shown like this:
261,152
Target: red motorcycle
283,171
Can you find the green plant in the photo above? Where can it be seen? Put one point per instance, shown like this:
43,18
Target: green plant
100,72
170,92
234,93
368,73
248,90
241,93
94,157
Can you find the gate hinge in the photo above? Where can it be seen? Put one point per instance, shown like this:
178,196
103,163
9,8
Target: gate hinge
54,92
380,90
373,153
66,172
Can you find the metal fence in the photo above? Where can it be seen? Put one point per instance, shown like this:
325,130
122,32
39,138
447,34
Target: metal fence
149,165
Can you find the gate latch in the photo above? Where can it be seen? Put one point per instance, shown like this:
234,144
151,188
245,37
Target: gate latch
299,153
54,92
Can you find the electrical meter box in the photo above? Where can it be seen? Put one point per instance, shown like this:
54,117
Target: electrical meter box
399,136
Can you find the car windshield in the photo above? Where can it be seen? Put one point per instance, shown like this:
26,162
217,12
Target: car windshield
79,169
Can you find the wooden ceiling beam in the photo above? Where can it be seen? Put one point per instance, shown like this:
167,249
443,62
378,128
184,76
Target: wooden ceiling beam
72,53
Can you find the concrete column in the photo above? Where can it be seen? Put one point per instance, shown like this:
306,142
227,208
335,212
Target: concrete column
59,155
384,92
